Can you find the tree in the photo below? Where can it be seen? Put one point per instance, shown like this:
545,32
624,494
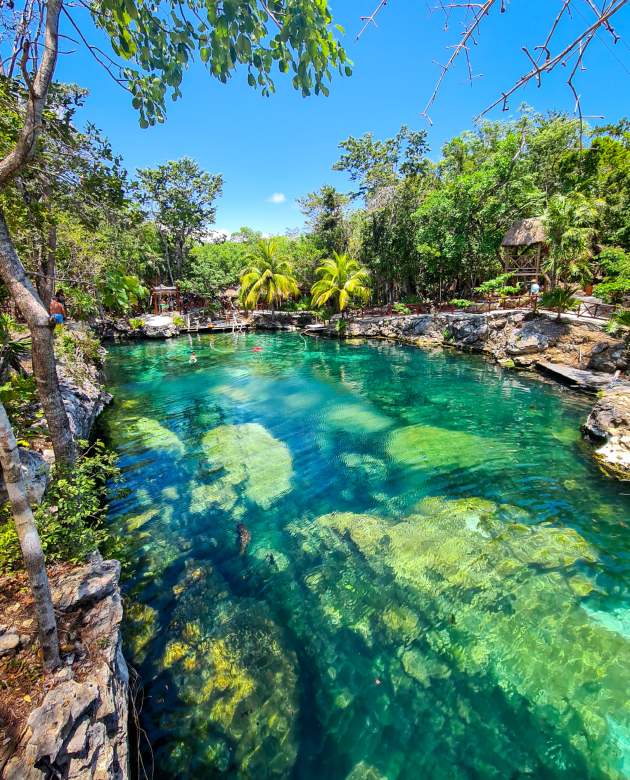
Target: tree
179,196
569,225
560,298
325,211
30,543
342,279
153,43
268,274
379,166
214,267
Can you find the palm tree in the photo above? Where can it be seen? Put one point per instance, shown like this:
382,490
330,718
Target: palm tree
342,277
568,221
269,274
560,298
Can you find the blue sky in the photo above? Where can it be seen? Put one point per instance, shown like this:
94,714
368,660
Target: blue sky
272,150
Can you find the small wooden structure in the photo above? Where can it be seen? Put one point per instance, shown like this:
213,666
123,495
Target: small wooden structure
523,244
161,291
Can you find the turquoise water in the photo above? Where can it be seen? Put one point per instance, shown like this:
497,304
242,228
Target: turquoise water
437,580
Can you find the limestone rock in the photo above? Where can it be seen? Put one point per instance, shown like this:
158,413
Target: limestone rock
609,425
84,402
80,730
535,336
8,643
36,474
90,583
160,327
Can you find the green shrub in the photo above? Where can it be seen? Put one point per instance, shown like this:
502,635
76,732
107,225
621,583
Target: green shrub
461,303
411,299
400,308
82,305
79,351
340,326
70,518
560,298
448,337
136,323
178,321
612,291
17,395
326,314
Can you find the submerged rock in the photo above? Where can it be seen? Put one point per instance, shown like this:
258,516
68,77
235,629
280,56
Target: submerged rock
243,460
233,669
483,605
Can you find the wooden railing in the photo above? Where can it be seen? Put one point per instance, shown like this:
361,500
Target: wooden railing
479,306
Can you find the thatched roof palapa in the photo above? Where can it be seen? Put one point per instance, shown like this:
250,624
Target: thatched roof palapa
524,232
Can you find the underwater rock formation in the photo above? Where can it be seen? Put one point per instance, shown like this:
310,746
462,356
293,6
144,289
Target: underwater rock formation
479,606
243,460
233,671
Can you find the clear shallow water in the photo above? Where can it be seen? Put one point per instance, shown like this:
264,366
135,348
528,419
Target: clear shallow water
437,580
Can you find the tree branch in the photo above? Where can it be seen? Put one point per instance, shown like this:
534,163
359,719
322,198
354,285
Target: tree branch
38,91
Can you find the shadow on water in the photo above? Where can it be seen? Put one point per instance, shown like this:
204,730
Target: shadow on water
436,584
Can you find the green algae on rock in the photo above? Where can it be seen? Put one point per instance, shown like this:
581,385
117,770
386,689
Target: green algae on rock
428,447
243,460
157,436
232,668
478,597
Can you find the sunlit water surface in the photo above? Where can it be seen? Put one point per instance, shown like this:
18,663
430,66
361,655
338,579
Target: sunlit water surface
436,584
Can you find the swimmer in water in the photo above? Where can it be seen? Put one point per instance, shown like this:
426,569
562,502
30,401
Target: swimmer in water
193,358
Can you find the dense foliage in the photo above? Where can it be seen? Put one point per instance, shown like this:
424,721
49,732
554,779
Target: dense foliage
419,228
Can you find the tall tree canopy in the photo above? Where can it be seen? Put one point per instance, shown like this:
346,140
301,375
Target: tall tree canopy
179,195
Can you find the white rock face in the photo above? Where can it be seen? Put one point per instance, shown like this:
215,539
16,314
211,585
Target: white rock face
159,327
35,472
80,730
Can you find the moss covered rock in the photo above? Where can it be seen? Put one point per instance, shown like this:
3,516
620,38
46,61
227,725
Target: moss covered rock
235,674
473,600
242,460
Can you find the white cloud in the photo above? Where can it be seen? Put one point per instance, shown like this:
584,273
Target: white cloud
277,197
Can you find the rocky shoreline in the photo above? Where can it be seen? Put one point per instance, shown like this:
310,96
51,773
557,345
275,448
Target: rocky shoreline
527,340
79,731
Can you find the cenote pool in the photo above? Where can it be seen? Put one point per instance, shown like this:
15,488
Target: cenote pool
436,584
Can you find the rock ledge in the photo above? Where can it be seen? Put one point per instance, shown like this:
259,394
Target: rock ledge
80,730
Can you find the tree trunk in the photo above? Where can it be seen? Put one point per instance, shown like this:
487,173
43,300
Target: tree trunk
30,543
25,146
166,254
41,327
99,303
46,283
180,258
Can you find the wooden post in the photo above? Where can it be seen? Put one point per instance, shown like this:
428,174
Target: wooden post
179,303
155,301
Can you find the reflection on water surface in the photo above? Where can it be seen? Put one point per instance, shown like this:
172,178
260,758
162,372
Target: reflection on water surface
436,584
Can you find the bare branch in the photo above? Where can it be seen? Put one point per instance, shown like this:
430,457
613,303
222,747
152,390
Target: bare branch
542,62
368,19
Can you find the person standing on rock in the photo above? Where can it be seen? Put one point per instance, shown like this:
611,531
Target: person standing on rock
57,309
